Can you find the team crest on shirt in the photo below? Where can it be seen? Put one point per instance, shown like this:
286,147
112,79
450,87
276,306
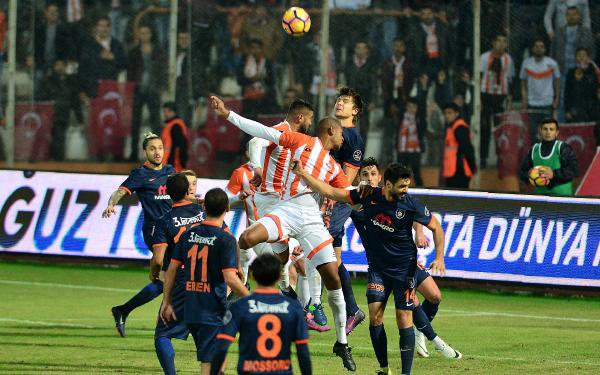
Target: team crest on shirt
357,155
400,213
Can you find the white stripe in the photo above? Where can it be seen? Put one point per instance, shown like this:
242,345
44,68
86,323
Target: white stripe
68,286
44,323
526,316
515,197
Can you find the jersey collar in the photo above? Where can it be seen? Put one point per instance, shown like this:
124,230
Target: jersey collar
211,223
148,165
266,291
182,203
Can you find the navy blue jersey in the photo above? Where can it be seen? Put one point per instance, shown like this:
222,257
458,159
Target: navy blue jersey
169,228
206,251
388,230
268,323
352,150
151,188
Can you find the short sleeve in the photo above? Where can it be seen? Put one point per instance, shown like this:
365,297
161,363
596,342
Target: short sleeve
354,197
340,180
133,182
181,249
159,235
235,183
301,332
293,140
422,214
228,253
353,152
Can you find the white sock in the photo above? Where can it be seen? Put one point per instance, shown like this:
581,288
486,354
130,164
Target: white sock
302,290
246,257
338,308
438,342
314,285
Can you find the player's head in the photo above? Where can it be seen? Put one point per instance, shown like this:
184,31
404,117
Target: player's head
216,202
177,187
169,110
348,104
266,269
369,172
330,129
192,180
451,112
397,180
301,114
153,147
548,129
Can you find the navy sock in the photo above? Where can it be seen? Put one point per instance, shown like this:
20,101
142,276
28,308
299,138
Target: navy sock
147,294
407,348
351,306
165,354
422,323
430,309
379,341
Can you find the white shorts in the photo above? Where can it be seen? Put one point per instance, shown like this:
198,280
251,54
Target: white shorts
300,218
265,203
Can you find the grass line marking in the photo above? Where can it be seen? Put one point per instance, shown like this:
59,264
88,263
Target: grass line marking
45,323
68,286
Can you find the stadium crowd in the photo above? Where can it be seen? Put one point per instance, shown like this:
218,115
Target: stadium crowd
408,59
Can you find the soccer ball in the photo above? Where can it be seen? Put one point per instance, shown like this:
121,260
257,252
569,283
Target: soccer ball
535,179
296,21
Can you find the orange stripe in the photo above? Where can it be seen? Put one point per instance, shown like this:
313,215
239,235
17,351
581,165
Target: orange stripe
266,291
182,203
229,270
127,190
304,157
159,244
301,342
539,75
222,336
352,166
320,247
316,172
176,262
278,223
181,231
279,167
268,152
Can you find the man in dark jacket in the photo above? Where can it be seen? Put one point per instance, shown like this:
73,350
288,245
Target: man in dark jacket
361,73
429,43
51,41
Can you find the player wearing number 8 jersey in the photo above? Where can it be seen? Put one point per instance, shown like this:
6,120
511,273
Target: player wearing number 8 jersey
268,323
209,257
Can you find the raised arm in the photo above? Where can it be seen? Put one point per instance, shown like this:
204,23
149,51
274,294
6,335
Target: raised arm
253,128
112,202
339,195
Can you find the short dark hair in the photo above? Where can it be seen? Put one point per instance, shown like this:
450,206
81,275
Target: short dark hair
412,100
500,35
396,171
549,120
299,106
326,123
399,39
102,18
170,105
583,49
177,186
538,39
216,202
266,269
573,7
148,136
370,162
188,172
358,102
452,106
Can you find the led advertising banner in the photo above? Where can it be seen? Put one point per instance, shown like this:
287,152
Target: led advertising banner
504,237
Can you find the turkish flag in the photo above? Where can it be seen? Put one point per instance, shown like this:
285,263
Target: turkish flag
123,92
33,130
105,134
202,152
580,136
228,137
512,141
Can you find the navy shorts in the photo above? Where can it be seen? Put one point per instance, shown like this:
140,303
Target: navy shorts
205,338
340,214
176,329
380,286
421,274
147,232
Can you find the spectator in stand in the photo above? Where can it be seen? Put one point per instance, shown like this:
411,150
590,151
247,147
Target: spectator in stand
442,90
63,90
259,25
569,38
257,79
430,43
51,41
459,156
422,92
175,138
582,84
556,14
408,146
361,74
290,95
540,86
497,73
397,78
555,159
101,58
147,67
190,84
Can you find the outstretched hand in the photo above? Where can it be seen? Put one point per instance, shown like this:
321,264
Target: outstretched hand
218,106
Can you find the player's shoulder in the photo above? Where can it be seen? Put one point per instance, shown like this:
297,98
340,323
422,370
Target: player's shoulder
137,171
168,168
283,127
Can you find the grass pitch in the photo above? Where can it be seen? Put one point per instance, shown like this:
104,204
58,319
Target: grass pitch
56,319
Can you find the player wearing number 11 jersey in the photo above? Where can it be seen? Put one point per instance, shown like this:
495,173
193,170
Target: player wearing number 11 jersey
268,323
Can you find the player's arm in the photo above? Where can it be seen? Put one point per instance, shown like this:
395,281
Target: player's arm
233,281
256,150
224,338
230,267
350,171
420,238
438,239
156,263
339,195
253,128
115,197
167,313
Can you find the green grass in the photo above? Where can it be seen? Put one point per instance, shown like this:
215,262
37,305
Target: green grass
56,319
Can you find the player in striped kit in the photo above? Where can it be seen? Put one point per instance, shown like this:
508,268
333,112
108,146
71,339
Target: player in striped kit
298,214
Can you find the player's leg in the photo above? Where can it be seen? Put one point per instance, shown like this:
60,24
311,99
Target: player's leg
377,295
205,339
427,287
424,326
433,296
404,300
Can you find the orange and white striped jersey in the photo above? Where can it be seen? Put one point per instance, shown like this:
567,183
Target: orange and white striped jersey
275,164
240,181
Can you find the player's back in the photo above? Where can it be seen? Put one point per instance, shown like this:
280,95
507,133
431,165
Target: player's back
275,164
269,323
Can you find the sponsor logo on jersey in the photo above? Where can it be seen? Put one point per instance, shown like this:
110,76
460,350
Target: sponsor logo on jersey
258,307
384,222
183,221
161,193
195,238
